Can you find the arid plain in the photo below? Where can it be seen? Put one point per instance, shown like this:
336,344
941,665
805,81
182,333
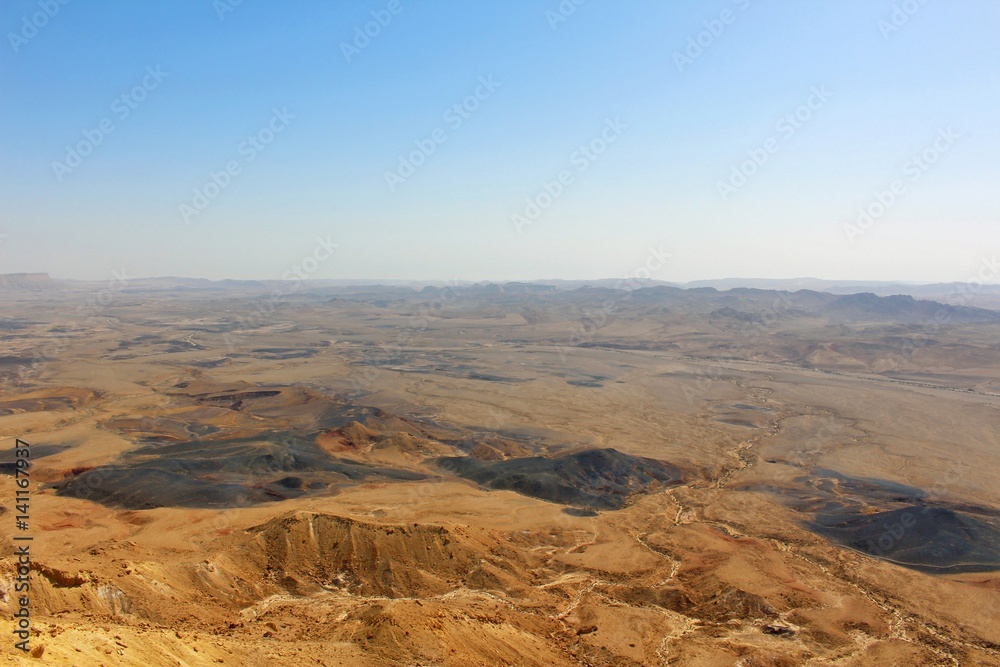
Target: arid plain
518,474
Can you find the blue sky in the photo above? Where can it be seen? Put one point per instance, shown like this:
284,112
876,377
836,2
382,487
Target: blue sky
672,125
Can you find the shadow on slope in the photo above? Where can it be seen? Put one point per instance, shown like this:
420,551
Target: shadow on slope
225,473
600,479
895,522
928,538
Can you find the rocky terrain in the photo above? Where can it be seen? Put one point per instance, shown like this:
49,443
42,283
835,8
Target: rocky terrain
518,474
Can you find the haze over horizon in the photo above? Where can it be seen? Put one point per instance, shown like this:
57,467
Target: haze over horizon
543,333
121,277
235,140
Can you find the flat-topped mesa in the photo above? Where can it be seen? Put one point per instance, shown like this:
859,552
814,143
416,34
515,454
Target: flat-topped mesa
303,552
25,281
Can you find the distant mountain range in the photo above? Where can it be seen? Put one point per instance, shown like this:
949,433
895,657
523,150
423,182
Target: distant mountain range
867,298
25,281
880,288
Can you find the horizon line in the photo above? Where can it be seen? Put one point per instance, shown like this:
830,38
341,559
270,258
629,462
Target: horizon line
124,277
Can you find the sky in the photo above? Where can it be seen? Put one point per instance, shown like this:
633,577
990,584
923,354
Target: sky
500,140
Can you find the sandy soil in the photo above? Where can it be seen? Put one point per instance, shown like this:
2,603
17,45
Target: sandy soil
341,541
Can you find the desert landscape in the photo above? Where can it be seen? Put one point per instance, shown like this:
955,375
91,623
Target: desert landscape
545,333
263,473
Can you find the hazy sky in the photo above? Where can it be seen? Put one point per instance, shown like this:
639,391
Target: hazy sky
740,136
